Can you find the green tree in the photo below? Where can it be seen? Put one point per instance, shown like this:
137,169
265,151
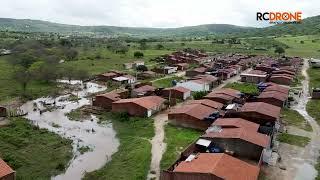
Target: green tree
279,50
138,54
22,76
159,46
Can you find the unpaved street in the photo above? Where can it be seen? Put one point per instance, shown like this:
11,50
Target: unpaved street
160,120
299,162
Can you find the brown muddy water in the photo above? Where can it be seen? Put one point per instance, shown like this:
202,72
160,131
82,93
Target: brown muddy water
100,138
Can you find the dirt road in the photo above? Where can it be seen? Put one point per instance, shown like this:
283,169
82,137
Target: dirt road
299,162
160,120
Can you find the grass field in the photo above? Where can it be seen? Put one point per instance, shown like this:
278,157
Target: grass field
293,139
293,118
246,88
33,153
166,82
10,89
306,49
177,140
132,160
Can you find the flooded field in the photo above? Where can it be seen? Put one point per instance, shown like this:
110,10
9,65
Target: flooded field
99,140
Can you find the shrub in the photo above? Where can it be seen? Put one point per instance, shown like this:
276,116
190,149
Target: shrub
199,94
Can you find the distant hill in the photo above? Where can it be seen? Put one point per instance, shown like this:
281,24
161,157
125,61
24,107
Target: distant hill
309,25
26,25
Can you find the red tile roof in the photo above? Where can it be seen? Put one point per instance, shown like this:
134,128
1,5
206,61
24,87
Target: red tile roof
228,91
5,169
198,111
258,72
207,102
240,133
273,95
219,96
112,96
221,165
148,102
277,88
236,123
179,88
145,88
262,108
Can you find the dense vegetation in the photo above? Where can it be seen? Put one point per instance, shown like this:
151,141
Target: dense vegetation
34,153
246,88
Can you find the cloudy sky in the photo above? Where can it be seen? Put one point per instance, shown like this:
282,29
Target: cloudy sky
152,13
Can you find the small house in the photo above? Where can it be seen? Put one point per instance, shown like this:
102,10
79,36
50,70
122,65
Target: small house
196,116
254,76
145,90
142,107
211,166
196,71
6,172
176,92
274,98
195,85
105,100
182,66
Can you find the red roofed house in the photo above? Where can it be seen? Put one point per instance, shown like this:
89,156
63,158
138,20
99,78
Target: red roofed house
211,166
224,95
182,66
258,112
196,71
207,102
273,87
273,97
109,75
238,137
176,92
143,91
192,116
6,173
105,100
281,79
254,76
142,107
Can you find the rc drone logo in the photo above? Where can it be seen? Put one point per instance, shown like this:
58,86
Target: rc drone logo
280,17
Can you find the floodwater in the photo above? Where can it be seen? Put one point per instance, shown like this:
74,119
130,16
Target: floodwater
305,164
101,138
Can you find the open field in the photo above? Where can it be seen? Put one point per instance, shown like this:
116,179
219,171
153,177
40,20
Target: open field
166,82
246,88
132,160
302,46
10,89
34,153
177,140
293,139
293,118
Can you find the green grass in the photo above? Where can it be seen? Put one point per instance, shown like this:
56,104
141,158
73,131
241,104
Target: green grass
313,108
177,140
33,153
166,82
132,160
293,139
10,89
314,74
246,88
307,49
77,115
293,118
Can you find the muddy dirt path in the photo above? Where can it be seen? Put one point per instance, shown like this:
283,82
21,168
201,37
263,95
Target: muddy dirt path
50,113
308,156
158,144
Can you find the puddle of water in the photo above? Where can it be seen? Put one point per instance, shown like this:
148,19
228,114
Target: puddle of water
101,138
305,172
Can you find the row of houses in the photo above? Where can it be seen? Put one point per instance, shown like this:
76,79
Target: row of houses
238,134
273,72
142,101
188,56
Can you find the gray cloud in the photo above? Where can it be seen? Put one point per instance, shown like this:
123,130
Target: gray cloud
152,13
